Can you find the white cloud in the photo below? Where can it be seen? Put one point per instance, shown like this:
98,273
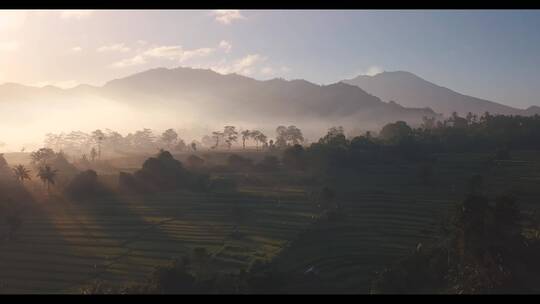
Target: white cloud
76,49
9,46
176,52
75,14
227,16
169,52
136,60
244,66
267,70
11,20
225,46
373,70
118,47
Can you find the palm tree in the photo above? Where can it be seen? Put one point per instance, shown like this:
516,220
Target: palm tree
245,135
47,176
21,173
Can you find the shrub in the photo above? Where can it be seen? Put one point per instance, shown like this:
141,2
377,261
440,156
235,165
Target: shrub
85,185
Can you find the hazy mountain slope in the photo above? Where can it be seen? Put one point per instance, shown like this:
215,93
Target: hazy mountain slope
194,98
236,97
410,90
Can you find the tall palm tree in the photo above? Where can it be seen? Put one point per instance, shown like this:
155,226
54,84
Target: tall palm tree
47,176
21,173
245,135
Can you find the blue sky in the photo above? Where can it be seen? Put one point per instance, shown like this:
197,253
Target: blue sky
488,54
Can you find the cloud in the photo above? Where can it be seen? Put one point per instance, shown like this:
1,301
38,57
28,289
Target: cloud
225,46
245,66
9,46
373,70
177,53
227,16
118,47
76,49
169,52
76,14
172,52
267,71
11,20
136,60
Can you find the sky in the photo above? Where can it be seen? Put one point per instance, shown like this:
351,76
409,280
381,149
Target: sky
488,54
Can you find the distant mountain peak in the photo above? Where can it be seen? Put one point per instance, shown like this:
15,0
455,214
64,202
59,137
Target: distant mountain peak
413,91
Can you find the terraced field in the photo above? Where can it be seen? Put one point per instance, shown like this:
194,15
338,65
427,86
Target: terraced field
388,212
64,245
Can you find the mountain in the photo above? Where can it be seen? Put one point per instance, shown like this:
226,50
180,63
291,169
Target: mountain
410,90
533,110
239,98
185,97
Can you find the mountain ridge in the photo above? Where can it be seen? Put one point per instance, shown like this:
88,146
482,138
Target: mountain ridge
411,90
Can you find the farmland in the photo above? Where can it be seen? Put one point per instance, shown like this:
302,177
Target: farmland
64,245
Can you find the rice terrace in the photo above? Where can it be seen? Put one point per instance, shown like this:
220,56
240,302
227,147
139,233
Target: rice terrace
200,166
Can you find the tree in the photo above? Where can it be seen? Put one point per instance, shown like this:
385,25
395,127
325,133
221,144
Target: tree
428,123
395,132
260,137
21,173
294,135
290,135
281,136
144,139
93,154
217,136
47,175
246,134
194,146
295,158
334,137
42,156
230,135
169,137
98,136
181,145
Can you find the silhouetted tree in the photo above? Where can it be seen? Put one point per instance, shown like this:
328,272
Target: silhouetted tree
395,132
93,154
169,137
294,158
98,136
181,145
230,135
217,136
47,175
246,134
42,156
21,173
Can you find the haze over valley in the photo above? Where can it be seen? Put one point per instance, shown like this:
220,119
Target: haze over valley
269,152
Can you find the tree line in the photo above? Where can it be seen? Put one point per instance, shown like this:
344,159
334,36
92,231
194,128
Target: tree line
92,145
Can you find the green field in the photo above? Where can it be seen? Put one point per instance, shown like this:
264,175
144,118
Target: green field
63,246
